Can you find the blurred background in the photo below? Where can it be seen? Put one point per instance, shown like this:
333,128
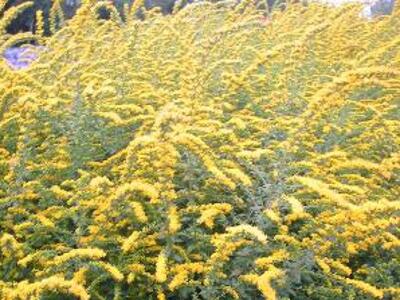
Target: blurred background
26,21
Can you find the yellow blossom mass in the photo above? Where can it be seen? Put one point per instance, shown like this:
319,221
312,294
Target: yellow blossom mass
224,150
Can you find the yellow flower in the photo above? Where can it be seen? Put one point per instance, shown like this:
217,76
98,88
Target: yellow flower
264,282
27,259
172,120
272,215
337,265
324,190
231,292
251,230
182,273
160,293
60,193
79,276
98,183
323,265
366,288
208,217
238,175
146,189
25,290
45,221
131,242
275,257
295,204
113,271
224,248
161,268
9,246
139,212
90,253
173,217
179,279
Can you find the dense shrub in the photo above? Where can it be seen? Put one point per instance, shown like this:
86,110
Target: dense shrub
210,154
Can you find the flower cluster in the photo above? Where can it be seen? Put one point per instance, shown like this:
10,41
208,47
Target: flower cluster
205,154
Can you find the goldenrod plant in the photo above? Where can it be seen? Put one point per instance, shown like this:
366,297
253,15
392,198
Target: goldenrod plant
220,152
6,17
